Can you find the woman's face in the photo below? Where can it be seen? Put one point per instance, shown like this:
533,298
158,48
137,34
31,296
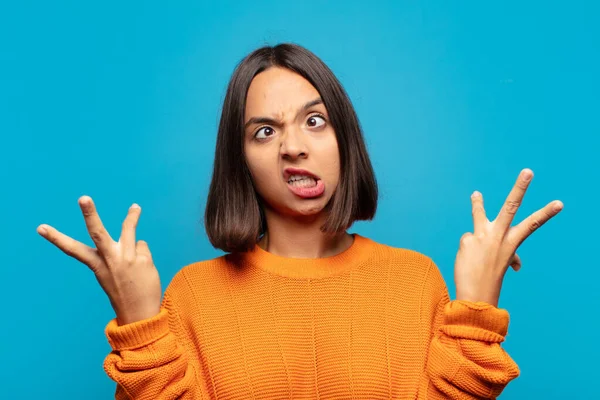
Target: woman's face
289,145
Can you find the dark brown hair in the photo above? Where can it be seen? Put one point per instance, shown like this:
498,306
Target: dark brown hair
234,219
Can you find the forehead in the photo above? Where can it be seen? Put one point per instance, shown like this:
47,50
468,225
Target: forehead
278,91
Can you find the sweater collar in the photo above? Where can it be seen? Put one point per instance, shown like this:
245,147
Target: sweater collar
303,268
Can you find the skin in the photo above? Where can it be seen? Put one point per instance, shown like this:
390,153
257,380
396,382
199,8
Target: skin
125,269
296,136
485,254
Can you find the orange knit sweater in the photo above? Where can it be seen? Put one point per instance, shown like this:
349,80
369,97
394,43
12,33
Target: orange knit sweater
373,322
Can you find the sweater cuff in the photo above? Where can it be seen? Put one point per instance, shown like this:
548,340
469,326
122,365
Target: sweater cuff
475,321
137,334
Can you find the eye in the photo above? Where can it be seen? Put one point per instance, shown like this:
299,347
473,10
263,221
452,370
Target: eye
316,121
264,133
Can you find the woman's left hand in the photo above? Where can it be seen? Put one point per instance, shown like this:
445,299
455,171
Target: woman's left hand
485,255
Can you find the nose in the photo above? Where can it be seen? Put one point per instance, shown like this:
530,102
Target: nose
292,145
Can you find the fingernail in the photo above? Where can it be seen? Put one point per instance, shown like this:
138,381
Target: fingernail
42,230
84,201
135,205
476,194
558,206
527,174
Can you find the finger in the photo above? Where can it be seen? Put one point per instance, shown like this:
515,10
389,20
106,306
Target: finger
515,262
513,202
142,248
479,217
532,223
127,238
94,225
466,239
70,246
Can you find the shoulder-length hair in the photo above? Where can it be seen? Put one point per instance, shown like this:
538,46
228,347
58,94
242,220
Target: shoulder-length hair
234,219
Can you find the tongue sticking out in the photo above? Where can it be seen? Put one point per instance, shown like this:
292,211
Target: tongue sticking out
306,187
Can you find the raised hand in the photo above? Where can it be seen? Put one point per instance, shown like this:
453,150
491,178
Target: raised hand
124,269
485,255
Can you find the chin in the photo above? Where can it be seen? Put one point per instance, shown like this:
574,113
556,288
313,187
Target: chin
307,207
293,206
309,210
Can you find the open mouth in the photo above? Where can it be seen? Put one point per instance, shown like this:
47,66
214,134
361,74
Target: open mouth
303,183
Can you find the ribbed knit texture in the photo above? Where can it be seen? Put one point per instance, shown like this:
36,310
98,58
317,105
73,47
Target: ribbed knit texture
373,322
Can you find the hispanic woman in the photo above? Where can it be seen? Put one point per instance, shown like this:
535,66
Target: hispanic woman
298,307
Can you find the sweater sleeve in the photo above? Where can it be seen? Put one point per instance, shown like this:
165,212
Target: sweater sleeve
148,359
464,358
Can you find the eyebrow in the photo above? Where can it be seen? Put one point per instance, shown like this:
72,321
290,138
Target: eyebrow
271,121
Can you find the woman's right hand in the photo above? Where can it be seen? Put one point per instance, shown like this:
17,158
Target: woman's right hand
124,269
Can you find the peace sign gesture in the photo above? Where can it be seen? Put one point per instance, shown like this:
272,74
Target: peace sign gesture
124,269
485,255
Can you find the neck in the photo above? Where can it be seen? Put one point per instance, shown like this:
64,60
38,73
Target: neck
301,237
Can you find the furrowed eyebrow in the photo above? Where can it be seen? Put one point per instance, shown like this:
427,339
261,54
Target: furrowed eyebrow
271,121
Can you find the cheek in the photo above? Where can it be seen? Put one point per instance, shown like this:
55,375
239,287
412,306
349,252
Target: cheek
263,169
331,163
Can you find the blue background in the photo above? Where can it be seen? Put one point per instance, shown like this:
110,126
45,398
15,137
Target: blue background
120,101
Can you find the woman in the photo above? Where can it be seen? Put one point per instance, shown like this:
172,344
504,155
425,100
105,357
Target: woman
299,308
